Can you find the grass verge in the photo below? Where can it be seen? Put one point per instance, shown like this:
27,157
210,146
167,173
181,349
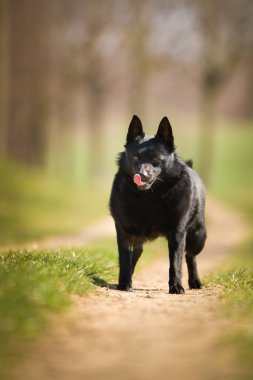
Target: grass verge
232,182
35,285
236,280
34,205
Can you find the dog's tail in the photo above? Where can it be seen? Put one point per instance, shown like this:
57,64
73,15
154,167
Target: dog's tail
189,163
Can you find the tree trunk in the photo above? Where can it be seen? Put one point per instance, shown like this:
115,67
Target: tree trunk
207,131
26,137
210,84
4,75
139,62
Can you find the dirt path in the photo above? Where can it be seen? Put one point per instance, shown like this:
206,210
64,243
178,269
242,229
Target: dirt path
146,334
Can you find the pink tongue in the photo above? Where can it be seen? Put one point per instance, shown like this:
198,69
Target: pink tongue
137,180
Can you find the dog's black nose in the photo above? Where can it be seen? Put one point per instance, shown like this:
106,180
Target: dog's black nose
144,176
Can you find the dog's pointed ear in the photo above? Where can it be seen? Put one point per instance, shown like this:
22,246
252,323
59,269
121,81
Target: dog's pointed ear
135,129
164,133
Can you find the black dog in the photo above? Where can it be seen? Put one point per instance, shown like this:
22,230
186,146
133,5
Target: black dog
155,194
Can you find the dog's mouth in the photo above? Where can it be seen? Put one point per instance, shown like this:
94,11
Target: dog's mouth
142,185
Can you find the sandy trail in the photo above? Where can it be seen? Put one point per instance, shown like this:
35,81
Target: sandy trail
148,333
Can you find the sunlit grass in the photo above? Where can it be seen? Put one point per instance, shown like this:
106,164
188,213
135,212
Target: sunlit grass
232,178
232,182
34,205
236,280
33,285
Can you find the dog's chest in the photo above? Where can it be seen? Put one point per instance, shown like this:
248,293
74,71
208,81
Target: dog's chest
148,217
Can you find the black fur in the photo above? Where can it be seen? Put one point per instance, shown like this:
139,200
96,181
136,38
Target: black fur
169,202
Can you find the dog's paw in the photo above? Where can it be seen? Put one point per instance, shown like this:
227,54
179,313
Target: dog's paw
176,289
195,283
125,287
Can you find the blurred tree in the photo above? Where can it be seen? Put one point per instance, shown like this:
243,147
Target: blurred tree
26,134
205,40
94,80
4,58
81,26
211,80
137,35
66,65
247,109
226,28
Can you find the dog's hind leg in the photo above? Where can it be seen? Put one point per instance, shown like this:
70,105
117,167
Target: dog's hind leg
195,241
137,251
193,280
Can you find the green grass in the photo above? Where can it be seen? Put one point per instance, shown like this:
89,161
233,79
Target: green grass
34,205
232,174
35,285
236,280
232,182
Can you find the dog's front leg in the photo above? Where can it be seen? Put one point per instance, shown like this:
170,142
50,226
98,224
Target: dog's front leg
176,251
125,261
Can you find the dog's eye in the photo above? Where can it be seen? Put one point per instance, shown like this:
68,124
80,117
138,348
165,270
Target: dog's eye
156,160
136,158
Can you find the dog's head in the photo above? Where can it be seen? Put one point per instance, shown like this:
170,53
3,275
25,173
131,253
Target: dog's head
148,159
